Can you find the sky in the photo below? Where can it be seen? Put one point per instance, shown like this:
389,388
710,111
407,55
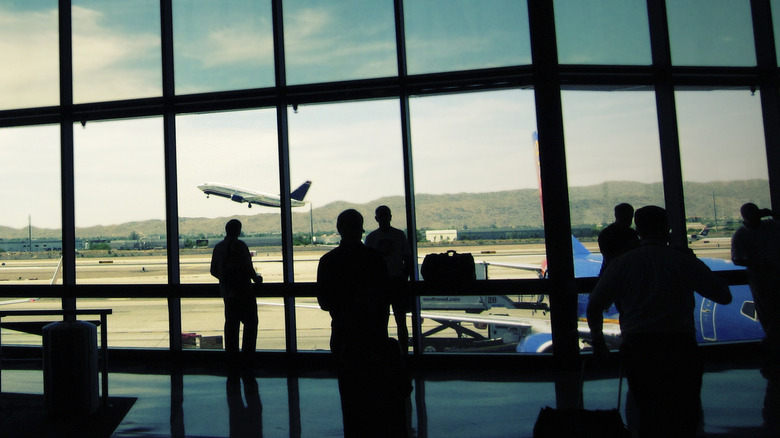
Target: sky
474,142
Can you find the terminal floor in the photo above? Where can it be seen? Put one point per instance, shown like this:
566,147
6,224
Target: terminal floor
449,404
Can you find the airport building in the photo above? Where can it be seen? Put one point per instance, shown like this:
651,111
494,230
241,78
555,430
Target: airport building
115,112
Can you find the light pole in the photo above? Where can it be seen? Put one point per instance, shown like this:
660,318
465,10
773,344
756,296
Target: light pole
311,221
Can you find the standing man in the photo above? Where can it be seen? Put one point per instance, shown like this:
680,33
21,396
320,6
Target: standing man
392,244
231,263
352,282
756,245
652,287
618,237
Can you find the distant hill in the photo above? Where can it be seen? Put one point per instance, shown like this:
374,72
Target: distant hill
590,205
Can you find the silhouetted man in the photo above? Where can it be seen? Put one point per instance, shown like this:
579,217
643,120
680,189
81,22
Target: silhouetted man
652,287
231,263
352,281
756,245
618,237
392,244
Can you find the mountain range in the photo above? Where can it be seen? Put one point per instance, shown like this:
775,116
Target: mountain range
520,209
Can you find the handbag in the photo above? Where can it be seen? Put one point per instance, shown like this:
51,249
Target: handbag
449,268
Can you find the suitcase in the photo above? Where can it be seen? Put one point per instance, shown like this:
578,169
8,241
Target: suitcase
449,269
580,422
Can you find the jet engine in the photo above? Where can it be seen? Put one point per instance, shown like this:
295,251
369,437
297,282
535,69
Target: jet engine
236,198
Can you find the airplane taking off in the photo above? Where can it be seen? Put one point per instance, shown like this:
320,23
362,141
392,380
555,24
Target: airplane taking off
240,194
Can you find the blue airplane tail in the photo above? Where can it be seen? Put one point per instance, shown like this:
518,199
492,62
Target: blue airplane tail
300,193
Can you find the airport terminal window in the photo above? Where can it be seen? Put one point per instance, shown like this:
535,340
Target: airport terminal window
335,41
222,46
723,162
31,237
29,44
711,33
116,50
120,202
445,35
775,4
602,32
351,153
476,191
612,156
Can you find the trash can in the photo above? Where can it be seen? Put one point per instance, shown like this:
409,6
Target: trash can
70,368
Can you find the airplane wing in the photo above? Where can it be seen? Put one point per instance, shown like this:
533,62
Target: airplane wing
19,301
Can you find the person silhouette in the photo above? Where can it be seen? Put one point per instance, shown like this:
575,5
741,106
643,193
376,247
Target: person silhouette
756,246
352,285
652,286
618,237
392,244
231,263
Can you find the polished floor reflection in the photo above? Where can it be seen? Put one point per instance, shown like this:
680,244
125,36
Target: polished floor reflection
207,402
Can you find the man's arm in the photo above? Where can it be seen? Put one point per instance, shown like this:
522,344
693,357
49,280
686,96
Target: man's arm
216,263
707,284
600,299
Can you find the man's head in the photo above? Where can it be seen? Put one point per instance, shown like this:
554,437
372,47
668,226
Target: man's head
233,228
624,213
751,214
350,225
652,222
383,215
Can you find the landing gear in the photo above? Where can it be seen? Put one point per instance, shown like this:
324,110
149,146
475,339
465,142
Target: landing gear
250,205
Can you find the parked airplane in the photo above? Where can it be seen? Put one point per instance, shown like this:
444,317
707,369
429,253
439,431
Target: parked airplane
240,194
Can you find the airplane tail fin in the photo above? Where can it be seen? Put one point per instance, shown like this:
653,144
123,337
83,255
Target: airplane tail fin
300,193
704,232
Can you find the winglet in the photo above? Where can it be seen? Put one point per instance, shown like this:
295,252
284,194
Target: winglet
300,193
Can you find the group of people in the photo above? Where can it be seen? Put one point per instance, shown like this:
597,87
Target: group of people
650,282
652,285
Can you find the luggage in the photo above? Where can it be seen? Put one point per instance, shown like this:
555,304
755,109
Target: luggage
580,422
70,364
450,269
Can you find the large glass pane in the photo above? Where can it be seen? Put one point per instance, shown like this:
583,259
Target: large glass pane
723,166
222,45
116,50
120,224
444,35
120,202
775,4
711,33
30,229
612,157
351,152
29,43
225,161
602,32
334,41
477,192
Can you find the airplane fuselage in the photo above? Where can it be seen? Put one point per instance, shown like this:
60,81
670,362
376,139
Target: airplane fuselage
241,195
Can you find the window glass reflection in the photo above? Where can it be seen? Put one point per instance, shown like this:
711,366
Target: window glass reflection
222,45
351,152
602,32
775,4
116,50
711,32
443,35
29,43
334,41
477,192
612,157
120,202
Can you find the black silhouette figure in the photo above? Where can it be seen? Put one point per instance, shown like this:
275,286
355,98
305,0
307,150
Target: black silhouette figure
756,245
231,263
353,281
618,237
246,419
652,287
392,244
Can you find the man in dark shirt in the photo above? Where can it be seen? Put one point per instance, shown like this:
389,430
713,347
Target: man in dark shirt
618,237
231,263
653,288
352,281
